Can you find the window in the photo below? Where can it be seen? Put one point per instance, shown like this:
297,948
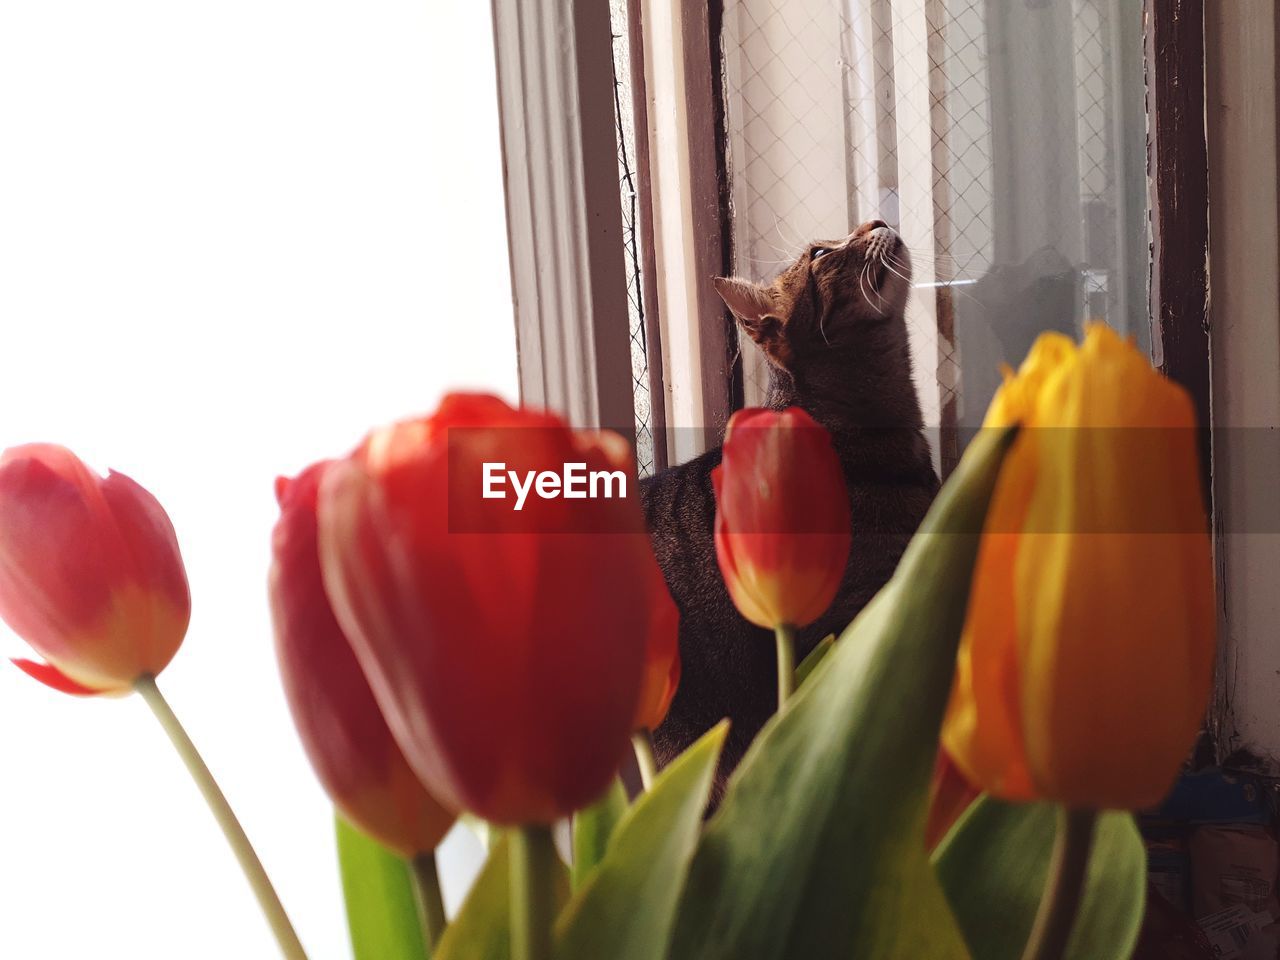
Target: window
646,378
1006,141
232,239
231,242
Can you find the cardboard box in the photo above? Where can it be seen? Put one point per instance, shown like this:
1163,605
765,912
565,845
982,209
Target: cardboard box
1233,864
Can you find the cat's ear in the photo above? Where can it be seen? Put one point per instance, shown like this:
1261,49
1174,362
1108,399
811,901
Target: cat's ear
754,307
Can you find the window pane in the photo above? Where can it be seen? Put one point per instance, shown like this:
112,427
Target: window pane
1005,139
232,237
628,188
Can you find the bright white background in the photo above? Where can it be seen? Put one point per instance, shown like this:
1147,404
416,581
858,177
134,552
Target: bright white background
233,236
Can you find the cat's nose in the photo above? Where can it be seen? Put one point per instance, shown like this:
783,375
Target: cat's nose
870,225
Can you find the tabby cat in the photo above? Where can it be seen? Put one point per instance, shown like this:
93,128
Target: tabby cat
833,330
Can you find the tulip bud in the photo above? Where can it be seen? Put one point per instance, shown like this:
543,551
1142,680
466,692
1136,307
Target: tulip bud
90,572
342,730
505,646
1087,654
662,656
782,517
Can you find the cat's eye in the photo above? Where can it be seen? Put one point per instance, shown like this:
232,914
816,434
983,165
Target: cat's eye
818,252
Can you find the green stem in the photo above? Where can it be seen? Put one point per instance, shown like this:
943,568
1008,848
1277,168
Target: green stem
290,946
642,741
786,637
533,857
1061,900
426,884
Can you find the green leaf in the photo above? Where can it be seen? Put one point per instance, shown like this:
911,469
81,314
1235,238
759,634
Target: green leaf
993,866
626,910
818,848
382,910
482,928
592,829
815,656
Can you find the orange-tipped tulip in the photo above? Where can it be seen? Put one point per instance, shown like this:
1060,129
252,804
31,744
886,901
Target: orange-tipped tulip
661,658
782,517
506,647
90,573
1087,654
342,730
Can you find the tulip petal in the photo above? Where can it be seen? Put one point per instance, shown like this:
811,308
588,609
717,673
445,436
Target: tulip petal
662,656
950,795
782,517
54,584
480,631
149,539
59,461
342,730
1118,509
54,678
1075,680
90,574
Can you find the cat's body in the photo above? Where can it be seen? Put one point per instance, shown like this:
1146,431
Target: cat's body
832,326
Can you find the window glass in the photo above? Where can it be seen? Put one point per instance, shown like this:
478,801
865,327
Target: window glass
233,236
629,189
1004,139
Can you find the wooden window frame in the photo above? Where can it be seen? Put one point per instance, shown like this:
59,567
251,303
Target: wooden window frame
1178,183
645,238
564,220
555,90
1242,329
683,174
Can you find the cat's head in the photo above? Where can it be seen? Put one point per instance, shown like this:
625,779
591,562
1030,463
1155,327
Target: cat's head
835,295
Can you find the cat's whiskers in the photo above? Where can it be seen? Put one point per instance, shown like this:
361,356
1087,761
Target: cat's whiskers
943,272
772,263
946,266
822,329
935,255
895,266
883,309
787,256
956,289
864,275
799,242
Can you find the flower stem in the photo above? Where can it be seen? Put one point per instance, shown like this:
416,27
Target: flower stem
533,856
290,946
786,637
426,885
1061,899
642,741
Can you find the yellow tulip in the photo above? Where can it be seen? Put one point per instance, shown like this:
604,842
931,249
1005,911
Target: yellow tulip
1087,655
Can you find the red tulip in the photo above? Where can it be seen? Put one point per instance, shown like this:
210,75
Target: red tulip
342,730
662,656
505,646
90,572
782,517
950,795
